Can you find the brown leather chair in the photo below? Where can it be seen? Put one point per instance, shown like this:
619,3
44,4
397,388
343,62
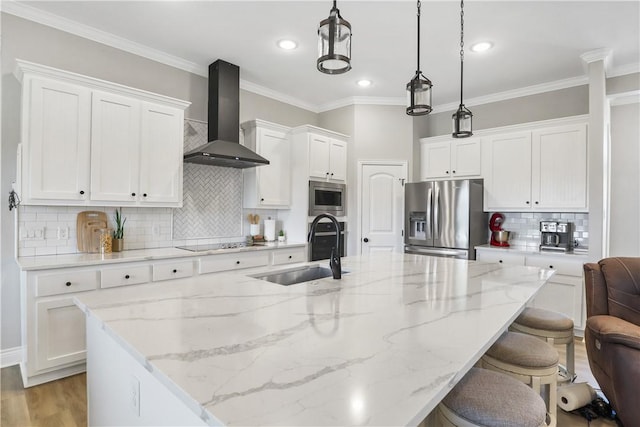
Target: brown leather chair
612,332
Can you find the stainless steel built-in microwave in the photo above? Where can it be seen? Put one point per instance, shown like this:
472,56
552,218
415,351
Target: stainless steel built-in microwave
327,197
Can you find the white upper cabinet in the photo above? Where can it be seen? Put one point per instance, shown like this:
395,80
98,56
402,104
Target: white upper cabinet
559,175
543,169
90,142
55,149
327,158
268,186
450,158
508,175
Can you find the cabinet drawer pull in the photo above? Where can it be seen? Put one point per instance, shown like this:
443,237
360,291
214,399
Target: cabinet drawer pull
551,266
133,194
175,271
126,276
527,202
81,191
536,202
331,173
500,261
447,172
144,195
238,262
290,256
453,171
68,283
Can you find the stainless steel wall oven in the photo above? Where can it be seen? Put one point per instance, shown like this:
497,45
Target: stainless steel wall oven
324,240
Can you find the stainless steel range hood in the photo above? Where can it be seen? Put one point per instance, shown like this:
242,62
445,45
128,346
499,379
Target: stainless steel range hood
223,148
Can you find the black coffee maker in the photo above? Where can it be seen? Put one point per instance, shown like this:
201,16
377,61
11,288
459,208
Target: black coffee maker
556,236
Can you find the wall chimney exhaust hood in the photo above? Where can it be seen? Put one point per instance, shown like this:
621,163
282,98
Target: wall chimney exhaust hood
223,148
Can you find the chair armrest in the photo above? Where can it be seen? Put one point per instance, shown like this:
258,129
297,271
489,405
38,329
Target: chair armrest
615,330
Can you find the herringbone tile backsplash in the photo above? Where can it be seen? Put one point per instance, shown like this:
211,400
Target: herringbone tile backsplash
212,200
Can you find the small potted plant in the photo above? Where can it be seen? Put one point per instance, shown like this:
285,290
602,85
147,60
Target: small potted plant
118,233
281,236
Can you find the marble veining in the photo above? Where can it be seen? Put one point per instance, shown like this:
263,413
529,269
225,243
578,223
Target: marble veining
382,346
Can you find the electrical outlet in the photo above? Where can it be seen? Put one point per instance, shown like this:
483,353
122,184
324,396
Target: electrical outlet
38,233
29,233
63,233
134,395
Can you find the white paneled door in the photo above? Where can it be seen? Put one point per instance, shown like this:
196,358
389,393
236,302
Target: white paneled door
381,217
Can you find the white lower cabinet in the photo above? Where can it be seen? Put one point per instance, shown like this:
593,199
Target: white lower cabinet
53,327
563,293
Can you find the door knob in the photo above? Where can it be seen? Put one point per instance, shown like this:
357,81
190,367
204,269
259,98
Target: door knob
366,240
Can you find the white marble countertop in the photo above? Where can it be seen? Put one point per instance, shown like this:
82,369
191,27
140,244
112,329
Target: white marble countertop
87,259
530,250
382,346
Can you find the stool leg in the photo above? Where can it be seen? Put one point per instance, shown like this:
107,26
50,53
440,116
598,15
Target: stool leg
535,384
553,399
571,362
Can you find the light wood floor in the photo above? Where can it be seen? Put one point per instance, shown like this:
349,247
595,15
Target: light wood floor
64,402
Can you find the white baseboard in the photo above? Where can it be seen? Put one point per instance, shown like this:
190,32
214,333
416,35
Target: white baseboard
10,356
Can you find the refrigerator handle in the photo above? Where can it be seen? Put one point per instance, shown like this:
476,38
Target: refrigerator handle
428,216
436,213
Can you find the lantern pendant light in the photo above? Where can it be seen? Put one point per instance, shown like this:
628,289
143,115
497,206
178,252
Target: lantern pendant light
334,43
419,88
462,126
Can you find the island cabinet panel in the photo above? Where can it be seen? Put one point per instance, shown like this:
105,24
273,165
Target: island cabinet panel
91,142
563,293
268,186
543,169
54,153
449,158
126,394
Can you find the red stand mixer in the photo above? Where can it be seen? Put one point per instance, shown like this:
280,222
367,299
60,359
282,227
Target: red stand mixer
499,237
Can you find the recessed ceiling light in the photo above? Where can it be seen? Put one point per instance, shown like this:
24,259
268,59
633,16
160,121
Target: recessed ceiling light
364,83
287,44
481,47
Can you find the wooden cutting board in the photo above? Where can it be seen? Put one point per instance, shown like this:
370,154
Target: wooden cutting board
88,222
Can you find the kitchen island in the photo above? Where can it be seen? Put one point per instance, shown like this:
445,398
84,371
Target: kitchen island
381,346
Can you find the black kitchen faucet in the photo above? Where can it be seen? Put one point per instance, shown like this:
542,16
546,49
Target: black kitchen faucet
334,258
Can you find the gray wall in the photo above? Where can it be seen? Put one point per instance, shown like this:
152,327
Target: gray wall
27,40
624,237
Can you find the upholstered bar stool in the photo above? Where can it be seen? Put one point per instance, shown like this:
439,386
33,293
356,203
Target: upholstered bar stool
527,359
490,399
552,327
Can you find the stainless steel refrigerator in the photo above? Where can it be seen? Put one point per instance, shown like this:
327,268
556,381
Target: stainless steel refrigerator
445,218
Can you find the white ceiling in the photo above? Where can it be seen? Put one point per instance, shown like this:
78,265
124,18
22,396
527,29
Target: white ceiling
536,42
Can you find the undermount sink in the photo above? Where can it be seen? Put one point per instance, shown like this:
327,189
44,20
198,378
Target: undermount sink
299,275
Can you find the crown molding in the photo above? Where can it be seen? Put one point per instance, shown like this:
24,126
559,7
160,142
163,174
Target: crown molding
24,11
278,96
603,54
361,100
516,93
631,97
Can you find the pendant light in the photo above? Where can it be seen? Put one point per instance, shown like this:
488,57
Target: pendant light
334,43
419,88
462,126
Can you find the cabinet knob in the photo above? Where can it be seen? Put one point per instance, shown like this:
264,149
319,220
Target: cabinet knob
238,262
331,173
500,261
126,276
536,202
290,256
366,240
175,271
81,191
527,202
551,266
144,195
68,283
133,194
262,199
447,172
453,171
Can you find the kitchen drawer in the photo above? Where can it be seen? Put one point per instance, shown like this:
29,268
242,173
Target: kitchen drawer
172,270
216,263
289,256
66,282
560,264
499,257
123,276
